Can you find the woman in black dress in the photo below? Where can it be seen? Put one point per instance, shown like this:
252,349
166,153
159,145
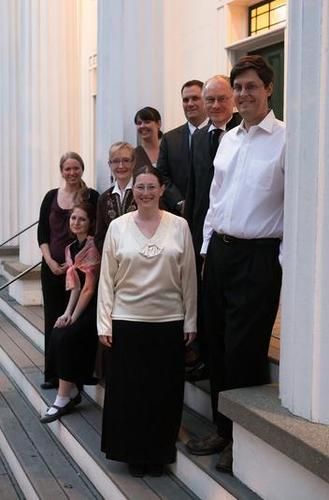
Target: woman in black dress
146,310
73,341
53,237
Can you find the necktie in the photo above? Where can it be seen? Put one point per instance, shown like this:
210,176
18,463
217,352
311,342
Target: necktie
190,137
214,141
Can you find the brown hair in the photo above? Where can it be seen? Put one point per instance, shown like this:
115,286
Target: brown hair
148,169
91,213
257,63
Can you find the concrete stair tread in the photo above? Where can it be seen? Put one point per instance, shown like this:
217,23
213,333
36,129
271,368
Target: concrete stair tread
84,427
9,489
80,430
50,472
259,411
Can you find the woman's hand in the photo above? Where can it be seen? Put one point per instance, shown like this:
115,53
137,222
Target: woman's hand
189,337
106,340
63,321
56,268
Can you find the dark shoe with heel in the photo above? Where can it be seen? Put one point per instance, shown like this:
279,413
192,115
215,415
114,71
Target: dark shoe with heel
207,445
136,470
60,411
49,384
225,460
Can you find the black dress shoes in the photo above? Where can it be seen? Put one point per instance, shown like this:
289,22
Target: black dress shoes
60,411
136,470
207,445
49,384
225,460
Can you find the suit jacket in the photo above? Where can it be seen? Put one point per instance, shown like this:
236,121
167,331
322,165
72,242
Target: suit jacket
173,163
200,178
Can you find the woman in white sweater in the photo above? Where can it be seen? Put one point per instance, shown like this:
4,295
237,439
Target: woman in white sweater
146,313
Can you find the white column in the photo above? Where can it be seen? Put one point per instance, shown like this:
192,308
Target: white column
129,72
49,95
8,123
304,366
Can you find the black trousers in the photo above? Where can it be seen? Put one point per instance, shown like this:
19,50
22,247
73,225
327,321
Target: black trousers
55,299
241,289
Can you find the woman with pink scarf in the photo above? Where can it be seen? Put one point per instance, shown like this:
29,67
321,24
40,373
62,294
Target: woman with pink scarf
73,341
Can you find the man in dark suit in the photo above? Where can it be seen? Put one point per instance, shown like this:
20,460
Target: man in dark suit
218,98
174,155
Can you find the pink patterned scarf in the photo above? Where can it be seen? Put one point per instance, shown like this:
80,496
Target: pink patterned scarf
86,260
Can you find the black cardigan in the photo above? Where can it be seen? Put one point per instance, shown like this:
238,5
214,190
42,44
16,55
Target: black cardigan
43,226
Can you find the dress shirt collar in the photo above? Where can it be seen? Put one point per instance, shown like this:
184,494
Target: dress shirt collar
223,127
266,124
117,190
192,128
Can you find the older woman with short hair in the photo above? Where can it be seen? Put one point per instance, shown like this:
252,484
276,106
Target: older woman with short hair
118,199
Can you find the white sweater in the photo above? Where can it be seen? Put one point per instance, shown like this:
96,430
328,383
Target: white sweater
147,279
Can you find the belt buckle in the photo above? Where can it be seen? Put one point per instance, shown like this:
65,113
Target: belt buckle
226,239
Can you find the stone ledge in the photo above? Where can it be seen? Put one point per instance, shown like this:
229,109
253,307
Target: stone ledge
259,411
14,268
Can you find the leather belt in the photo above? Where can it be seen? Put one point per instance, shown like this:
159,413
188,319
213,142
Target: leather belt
232,240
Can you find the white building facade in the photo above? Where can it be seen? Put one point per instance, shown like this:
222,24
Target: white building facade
73,74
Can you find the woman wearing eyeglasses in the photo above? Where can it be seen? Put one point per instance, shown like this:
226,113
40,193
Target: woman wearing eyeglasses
118,199
146,313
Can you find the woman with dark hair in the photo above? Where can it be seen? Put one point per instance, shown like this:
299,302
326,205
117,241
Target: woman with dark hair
53,237
73,341
148,123
146,312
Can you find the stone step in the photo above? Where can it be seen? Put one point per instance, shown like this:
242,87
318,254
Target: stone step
9,488
79,432
30,320
42,469
274,447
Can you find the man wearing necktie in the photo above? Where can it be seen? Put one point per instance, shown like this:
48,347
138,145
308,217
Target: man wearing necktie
174,156
218,99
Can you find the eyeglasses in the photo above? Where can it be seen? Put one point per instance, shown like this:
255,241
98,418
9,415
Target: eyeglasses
147,187
249,88
123,161
220,99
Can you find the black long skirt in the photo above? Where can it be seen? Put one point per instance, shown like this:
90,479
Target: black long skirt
72,350
144,392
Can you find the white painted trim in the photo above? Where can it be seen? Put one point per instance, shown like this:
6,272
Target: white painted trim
270,473
254,42
197,480
198,400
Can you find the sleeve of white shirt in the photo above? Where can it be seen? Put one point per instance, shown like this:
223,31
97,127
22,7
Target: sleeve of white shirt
207,226
108,271
189,282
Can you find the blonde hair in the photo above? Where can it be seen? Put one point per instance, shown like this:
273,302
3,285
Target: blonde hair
117,146
82,193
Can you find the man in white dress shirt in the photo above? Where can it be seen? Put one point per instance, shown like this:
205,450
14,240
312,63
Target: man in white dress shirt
242,236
